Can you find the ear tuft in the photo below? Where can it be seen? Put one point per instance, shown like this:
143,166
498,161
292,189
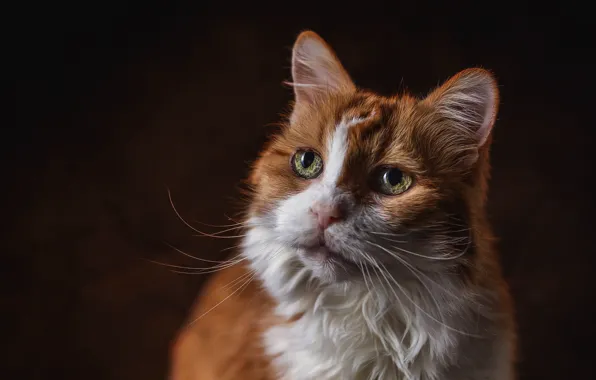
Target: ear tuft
316,70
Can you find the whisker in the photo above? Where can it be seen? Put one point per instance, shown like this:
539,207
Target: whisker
408,322
232,247
462,230
188,272
223,225
430,316
196,258
233,220
201,233
185,267
226,230
203,271
443,258
204,234
392,234
365,267
361,267
430,293
412,268
241,287
237,280
394,241
440,258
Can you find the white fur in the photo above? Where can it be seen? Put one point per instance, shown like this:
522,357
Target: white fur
337,149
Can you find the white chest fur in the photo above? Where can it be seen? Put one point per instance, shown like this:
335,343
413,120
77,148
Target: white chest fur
346,331
341,344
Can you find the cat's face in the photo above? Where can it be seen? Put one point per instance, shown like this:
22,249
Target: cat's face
358,182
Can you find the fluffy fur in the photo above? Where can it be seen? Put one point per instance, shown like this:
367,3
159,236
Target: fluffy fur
400,287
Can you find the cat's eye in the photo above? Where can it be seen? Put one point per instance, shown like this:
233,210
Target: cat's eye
307,164
392,181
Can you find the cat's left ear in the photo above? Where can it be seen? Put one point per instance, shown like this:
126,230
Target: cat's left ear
316,70
468,103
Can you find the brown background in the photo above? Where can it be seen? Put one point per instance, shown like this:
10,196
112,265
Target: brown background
117,101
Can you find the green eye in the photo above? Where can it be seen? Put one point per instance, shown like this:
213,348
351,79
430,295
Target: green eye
307,164
393,181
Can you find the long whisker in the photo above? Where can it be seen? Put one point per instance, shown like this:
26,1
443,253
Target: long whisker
462,230
394,241
441,258
407,265
414,269
430,316
367,273
215,234
196,270
430,293
201,233
462,253
232,247
223,225
241,287
204,234
361,267
196,258
375,268
240,278
416,305
190,270
392,234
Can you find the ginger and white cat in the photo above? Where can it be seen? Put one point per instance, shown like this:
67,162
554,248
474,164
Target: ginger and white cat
368,238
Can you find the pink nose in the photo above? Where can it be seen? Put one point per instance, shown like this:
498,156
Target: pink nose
326,215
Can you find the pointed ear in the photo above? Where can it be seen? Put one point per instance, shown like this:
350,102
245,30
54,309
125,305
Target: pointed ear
468,103
316,70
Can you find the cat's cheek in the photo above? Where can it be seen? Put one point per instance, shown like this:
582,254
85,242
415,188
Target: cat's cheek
273,189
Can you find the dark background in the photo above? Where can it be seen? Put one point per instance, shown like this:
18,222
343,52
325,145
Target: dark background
118,101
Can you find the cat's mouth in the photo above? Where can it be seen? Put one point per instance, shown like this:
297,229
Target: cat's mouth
321,254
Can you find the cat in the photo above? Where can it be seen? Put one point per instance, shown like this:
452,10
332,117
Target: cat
367,242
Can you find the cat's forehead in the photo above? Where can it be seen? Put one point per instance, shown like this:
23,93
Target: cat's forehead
378,130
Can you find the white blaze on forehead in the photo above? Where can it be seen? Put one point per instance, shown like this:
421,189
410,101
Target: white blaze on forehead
337,149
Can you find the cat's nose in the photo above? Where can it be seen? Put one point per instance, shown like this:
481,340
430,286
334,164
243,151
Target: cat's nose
326,214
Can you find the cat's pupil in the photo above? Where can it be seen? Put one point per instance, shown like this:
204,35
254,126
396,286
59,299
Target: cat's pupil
307,159
393,176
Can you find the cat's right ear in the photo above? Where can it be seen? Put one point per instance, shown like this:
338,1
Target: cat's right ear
316,70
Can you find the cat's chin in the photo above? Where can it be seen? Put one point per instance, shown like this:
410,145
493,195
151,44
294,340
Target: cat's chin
328,266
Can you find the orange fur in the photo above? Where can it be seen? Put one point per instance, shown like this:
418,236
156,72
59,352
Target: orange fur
225,343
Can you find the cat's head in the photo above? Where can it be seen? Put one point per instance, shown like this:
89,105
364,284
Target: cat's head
356,181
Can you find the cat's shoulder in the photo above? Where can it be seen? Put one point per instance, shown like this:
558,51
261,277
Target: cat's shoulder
222,338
